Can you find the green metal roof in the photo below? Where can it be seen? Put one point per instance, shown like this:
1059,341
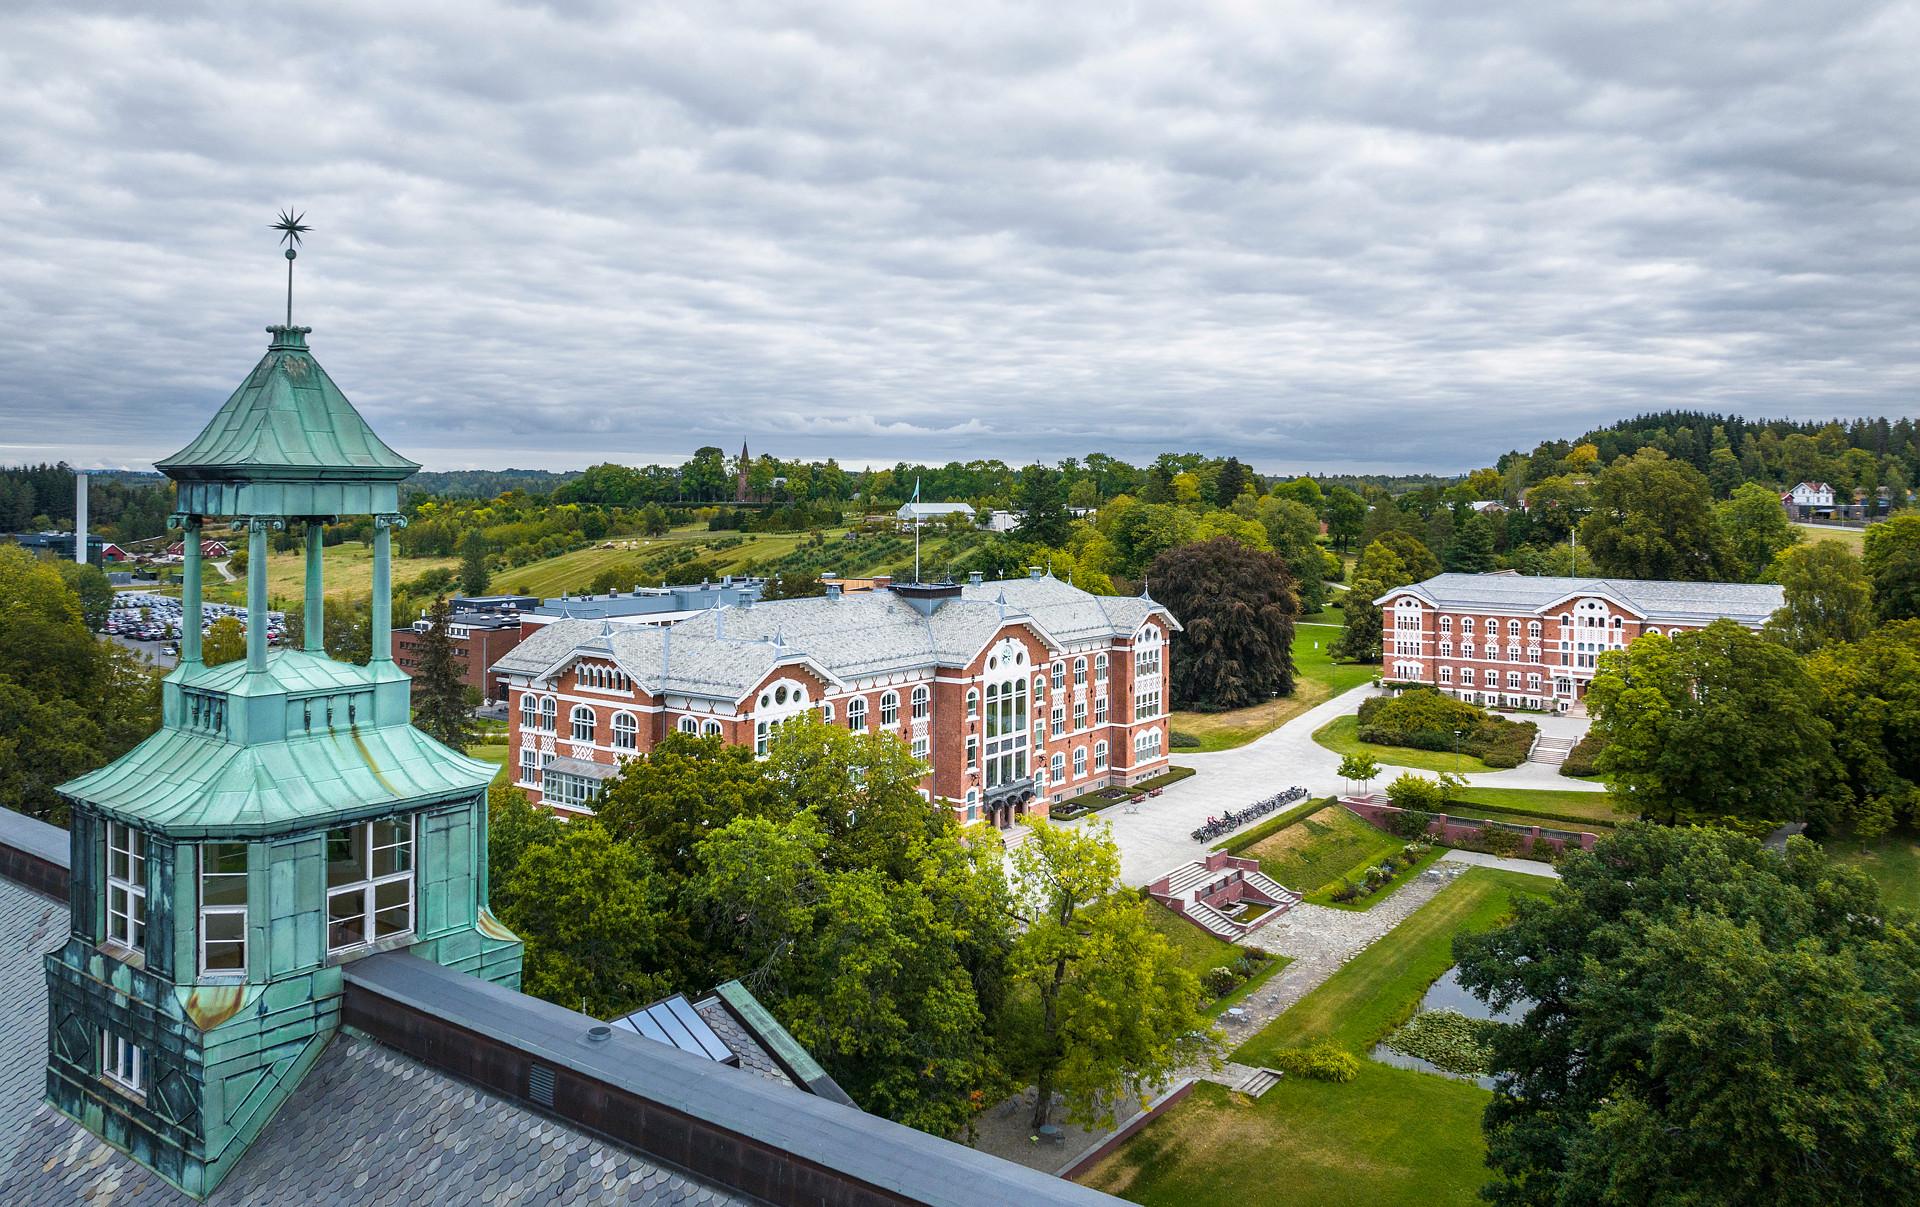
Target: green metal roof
289,670
287,421
196,785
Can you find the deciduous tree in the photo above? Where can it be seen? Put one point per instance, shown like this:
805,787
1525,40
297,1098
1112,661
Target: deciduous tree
1828,597
1346,515
1892,557
226,641
1710,724
1102,1009
1653,518
1236,607
1710,1023
1758,527
1870,694
1379,570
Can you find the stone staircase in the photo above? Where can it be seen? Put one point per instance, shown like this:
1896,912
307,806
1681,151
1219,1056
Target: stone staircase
1273,890
1259,1082
1551,751
1213,921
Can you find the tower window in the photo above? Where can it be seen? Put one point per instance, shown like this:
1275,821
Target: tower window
223,908
369,882
126,886
123,1063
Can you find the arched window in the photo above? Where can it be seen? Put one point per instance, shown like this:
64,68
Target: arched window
582,723
1059,675
549,713
921,702
626,731
857,713
1533,628
1058,766
1446,624
1099,668
687,725
1653,632
1079,671
1565,619
1099,756
760,738
826,713
1079,761
712,729
1493,627
889,709
529,711
1039,688
1513,628
973,703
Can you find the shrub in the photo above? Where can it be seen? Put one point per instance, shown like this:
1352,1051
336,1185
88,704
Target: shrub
1181,740
1494,840
1346,892
1581,759
1424,719
1410,791
1219,981
1255,953
1322,1062
1409,823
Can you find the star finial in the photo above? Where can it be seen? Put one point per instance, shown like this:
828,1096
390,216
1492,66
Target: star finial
291,228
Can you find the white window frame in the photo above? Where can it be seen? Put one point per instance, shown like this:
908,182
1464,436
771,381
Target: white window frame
711,729
371,882
1079,761
529,711
574,723
922,747
973,703
127,893
688,725
857,714
1100,668
123,1064
1099,756
1059,676
626,730
530,765
1058,720
921,703
549,714
1100,710
207,911
973,754
761,736
1079,715
889,709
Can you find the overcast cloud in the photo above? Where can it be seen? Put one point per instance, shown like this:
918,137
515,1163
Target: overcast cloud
1314,234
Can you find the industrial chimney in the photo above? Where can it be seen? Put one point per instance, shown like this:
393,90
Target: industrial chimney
80,516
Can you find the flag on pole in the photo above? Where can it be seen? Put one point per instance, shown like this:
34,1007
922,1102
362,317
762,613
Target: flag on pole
916,490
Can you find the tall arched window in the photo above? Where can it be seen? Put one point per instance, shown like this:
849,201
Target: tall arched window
857,713
921,702
626,732
1079,761
712,729
1100,668
549,713
973,703
1446,624
1057,766
1533,628
689,725
889,709
582,723
760,738
1079,671
1099,756
1513,628
529,711
826,713
1059,675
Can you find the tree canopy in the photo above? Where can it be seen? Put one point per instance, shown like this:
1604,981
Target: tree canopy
1870,695
1828,597
1717,723
1711,1024
439,692
1236,607
1653,518
1892,558
1379,570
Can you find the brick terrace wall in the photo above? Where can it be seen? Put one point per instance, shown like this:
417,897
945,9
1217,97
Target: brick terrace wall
1448,831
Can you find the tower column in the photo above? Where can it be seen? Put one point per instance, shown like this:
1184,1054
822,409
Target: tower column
316,634
381,639
257,547
190,591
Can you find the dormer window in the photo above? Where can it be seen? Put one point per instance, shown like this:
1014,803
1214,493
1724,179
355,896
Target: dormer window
126,887
369,882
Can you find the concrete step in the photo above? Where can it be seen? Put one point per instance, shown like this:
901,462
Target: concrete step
1551,751
1214,922
1259,1082
1185,878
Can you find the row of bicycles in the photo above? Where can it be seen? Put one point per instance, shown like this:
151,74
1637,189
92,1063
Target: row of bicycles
1231,821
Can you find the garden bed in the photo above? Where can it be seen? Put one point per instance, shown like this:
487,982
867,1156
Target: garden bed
1357,875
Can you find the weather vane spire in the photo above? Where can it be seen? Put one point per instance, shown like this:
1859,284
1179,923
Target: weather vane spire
290,228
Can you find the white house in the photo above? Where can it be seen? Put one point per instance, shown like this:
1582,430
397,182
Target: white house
1811,494
924,513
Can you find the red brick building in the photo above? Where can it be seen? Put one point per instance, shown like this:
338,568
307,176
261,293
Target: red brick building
1518,642
1016,694
479,640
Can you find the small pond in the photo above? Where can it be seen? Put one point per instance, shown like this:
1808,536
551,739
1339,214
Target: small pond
1446,994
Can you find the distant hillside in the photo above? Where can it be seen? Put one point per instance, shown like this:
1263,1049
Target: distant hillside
489,483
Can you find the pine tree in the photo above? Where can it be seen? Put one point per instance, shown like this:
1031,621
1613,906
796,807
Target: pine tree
474,577
439,695
1043,509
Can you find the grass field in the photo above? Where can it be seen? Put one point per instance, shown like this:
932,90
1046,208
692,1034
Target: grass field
1314,852
1378,989
1892,859
1339,736
492,754
1317,678
1196,949
1528,803
1390,1137
1854,539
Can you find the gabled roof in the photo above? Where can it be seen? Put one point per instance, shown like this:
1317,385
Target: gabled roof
1667,602
287,421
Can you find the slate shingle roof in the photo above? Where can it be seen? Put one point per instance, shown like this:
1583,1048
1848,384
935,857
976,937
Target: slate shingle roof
1674,603
727,652
367,1126
30,926
753,1057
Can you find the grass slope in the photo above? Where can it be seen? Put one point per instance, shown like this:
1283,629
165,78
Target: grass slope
1340,736
1317,678
1316,851
1196,949
1594,806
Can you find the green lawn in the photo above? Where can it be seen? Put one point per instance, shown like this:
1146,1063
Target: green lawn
1389,1138
1314,852
1196,949
493,754
1596,806
573,571
1892,859
1339,736
1378,989
1317,679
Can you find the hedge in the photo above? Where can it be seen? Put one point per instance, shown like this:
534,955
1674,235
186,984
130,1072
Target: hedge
1580,760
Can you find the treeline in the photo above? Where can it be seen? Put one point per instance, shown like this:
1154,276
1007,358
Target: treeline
488,483
38,498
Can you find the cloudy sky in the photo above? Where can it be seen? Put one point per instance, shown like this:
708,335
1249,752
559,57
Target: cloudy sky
1328,235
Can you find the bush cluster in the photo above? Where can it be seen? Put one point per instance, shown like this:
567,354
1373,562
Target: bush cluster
1424,719
1496,840
1226,978
1181,740
1324,1061
1581,759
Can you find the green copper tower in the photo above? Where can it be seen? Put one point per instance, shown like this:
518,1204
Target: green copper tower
286,820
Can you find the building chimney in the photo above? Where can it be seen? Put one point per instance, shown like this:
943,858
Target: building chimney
833,590
80,516
975,577
1036,572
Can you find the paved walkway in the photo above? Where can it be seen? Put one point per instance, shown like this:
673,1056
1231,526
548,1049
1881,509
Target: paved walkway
1159,837
1527,867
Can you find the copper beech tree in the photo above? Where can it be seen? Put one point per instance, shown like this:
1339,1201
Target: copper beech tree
1236,607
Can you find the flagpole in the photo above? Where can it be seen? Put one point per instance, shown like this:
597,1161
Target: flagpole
916,532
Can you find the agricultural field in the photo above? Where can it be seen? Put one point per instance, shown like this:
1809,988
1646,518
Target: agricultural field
1317,679
1390,1137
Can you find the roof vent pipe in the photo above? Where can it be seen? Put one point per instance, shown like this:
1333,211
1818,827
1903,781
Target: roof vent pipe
1036,572
975,577
833,590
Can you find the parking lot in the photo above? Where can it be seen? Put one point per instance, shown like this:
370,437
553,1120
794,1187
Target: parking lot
150,624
